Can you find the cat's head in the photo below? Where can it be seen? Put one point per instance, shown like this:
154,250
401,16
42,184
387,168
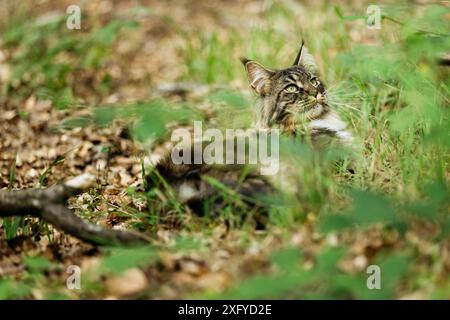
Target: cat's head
288,95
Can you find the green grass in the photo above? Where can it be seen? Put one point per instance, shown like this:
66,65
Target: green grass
390,91
49,59
12,224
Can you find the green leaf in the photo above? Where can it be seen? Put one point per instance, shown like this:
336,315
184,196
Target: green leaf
335,222
369,207
64,99
287,259
76,123
393,270
37,264
328,259
121,259
10,289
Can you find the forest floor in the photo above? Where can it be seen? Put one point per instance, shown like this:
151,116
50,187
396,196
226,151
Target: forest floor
182,53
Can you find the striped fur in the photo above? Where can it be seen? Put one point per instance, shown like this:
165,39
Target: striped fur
292,99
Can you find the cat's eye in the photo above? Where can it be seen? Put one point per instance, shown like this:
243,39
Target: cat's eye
315,82
291,89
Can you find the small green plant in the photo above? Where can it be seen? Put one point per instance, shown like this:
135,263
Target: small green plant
12,225
48,59
386,84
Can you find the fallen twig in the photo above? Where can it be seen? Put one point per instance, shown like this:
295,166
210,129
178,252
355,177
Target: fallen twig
50,205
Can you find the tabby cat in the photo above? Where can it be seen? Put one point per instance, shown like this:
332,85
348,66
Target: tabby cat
293,100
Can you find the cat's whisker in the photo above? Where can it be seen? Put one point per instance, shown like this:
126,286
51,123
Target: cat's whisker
341,89
340,92
345,99
339,86
344,106
344,94
355,102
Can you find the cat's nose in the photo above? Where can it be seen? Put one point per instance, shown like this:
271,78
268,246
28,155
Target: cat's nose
320,97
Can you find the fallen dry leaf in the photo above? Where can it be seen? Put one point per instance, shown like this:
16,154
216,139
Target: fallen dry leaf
130,282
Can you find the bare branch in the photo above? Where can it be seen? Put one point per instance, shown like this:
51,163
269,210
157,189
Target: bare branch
50,205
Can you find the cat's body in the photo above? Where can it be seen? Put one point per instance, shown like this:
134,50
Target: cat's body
293,100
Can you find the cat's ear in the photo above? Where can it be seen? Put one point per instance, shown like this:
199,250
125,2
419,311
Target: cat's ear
258,76
306,60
